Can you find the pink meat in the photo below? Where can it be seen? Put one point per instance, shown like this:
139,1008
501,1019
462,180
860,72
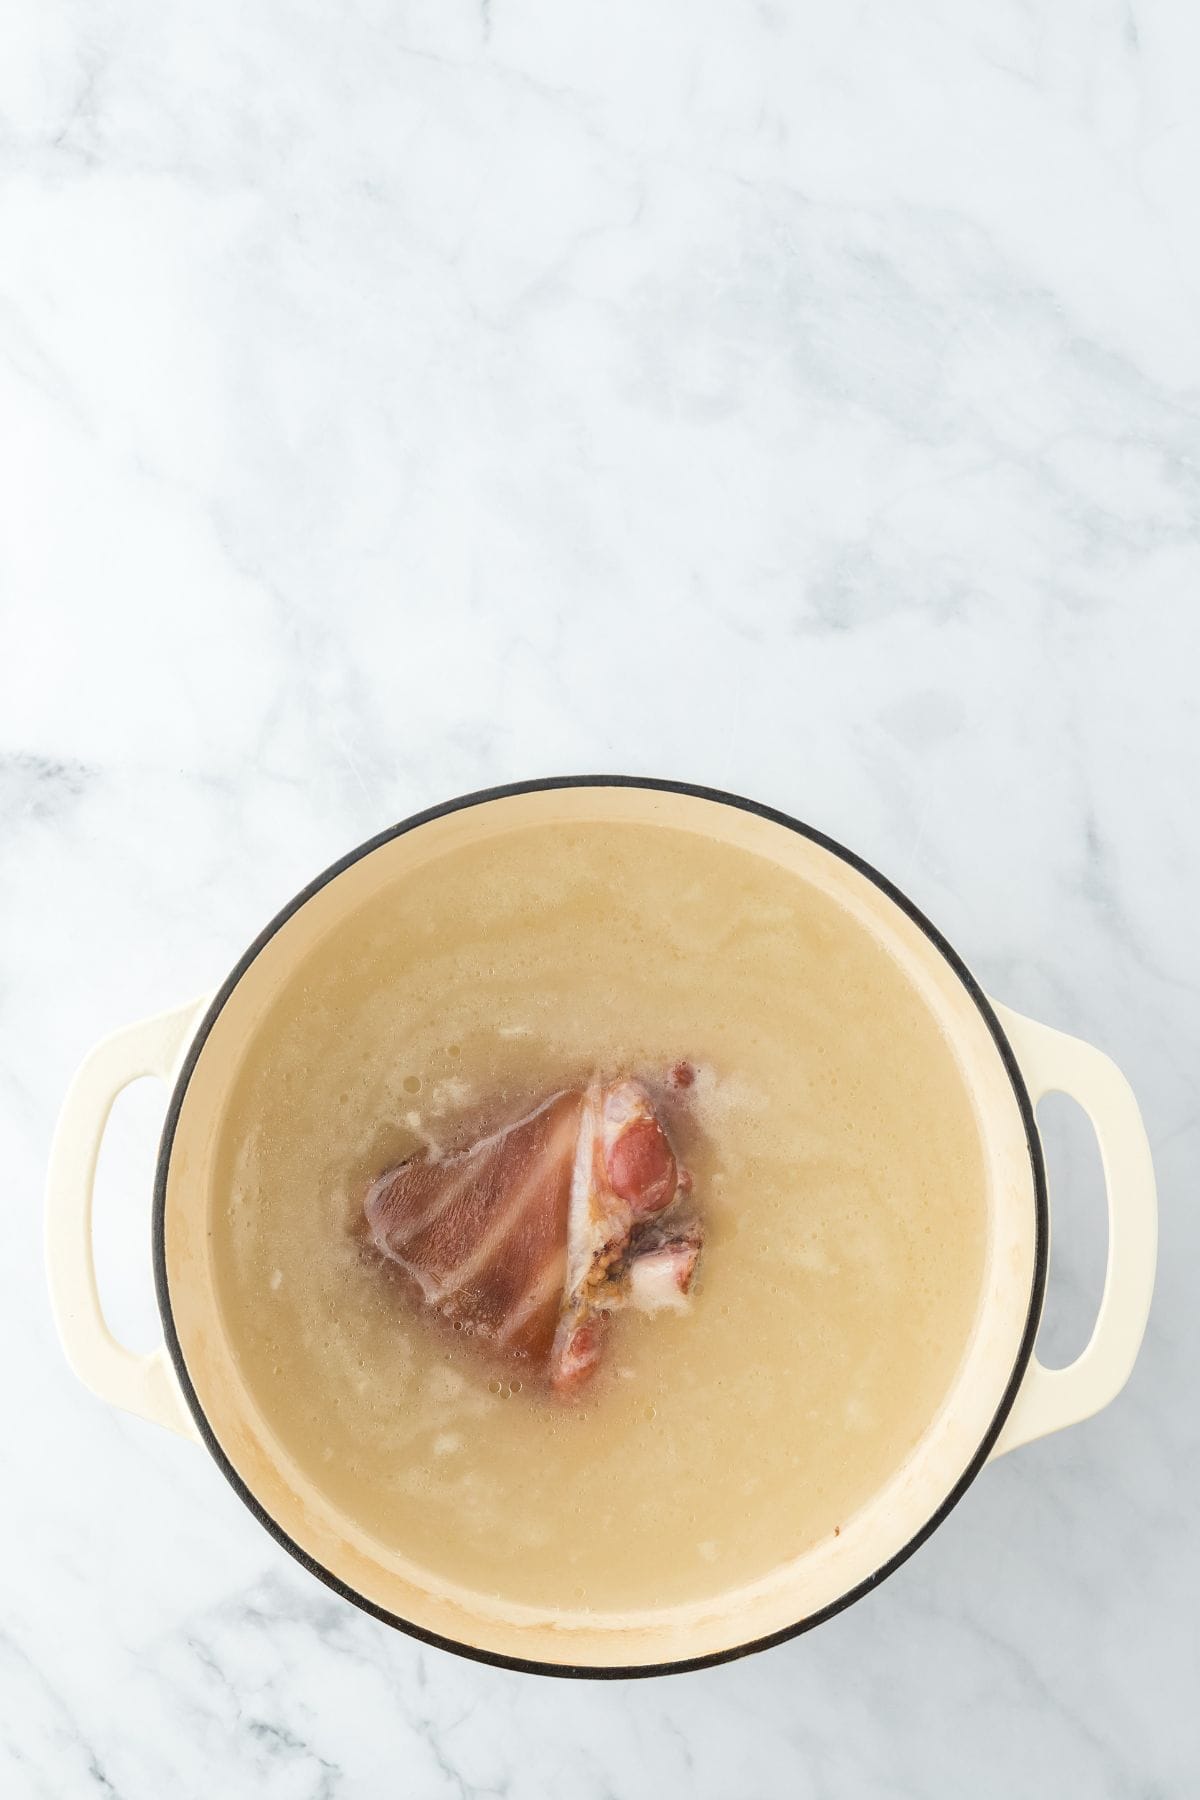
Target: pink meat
533,1236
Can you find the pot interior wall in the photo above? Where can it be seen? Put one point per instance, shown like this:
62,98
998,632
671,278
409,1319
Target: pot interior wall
380,1575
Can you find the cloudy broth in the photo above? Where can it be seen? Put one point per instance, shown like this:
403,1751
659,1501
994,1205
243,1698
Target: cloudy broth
835,1160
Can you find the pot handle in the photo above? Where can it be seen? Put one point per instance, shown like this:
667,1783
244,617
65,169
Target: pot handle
1053,1063
145,1385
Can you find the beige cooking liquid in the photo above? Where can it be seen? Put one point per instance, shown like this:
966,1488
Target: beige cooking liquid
837,1167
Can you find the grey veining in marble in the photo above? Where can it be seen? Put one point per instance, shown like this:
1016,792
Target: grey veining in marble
396,399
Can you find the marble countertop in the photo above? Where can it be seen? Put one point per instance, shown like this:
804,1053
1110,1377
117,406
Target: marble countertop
398,400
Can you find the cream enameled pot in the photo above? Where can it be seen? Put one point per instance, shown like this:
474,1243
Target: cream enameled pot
1001,1397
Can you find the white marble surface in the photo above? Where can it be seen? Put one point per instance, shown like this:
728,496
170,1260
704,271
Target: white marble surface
400,398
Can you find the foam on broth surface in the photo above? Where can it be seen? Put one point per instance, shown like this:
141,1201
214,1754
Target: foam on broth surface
837,1168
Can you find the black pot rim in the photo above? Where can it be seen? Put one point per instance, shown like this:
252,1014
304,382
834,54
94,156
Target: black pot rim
1041,1247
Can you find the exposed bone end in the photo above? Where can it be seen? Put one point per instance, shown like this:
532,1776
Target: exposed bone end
662,1278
